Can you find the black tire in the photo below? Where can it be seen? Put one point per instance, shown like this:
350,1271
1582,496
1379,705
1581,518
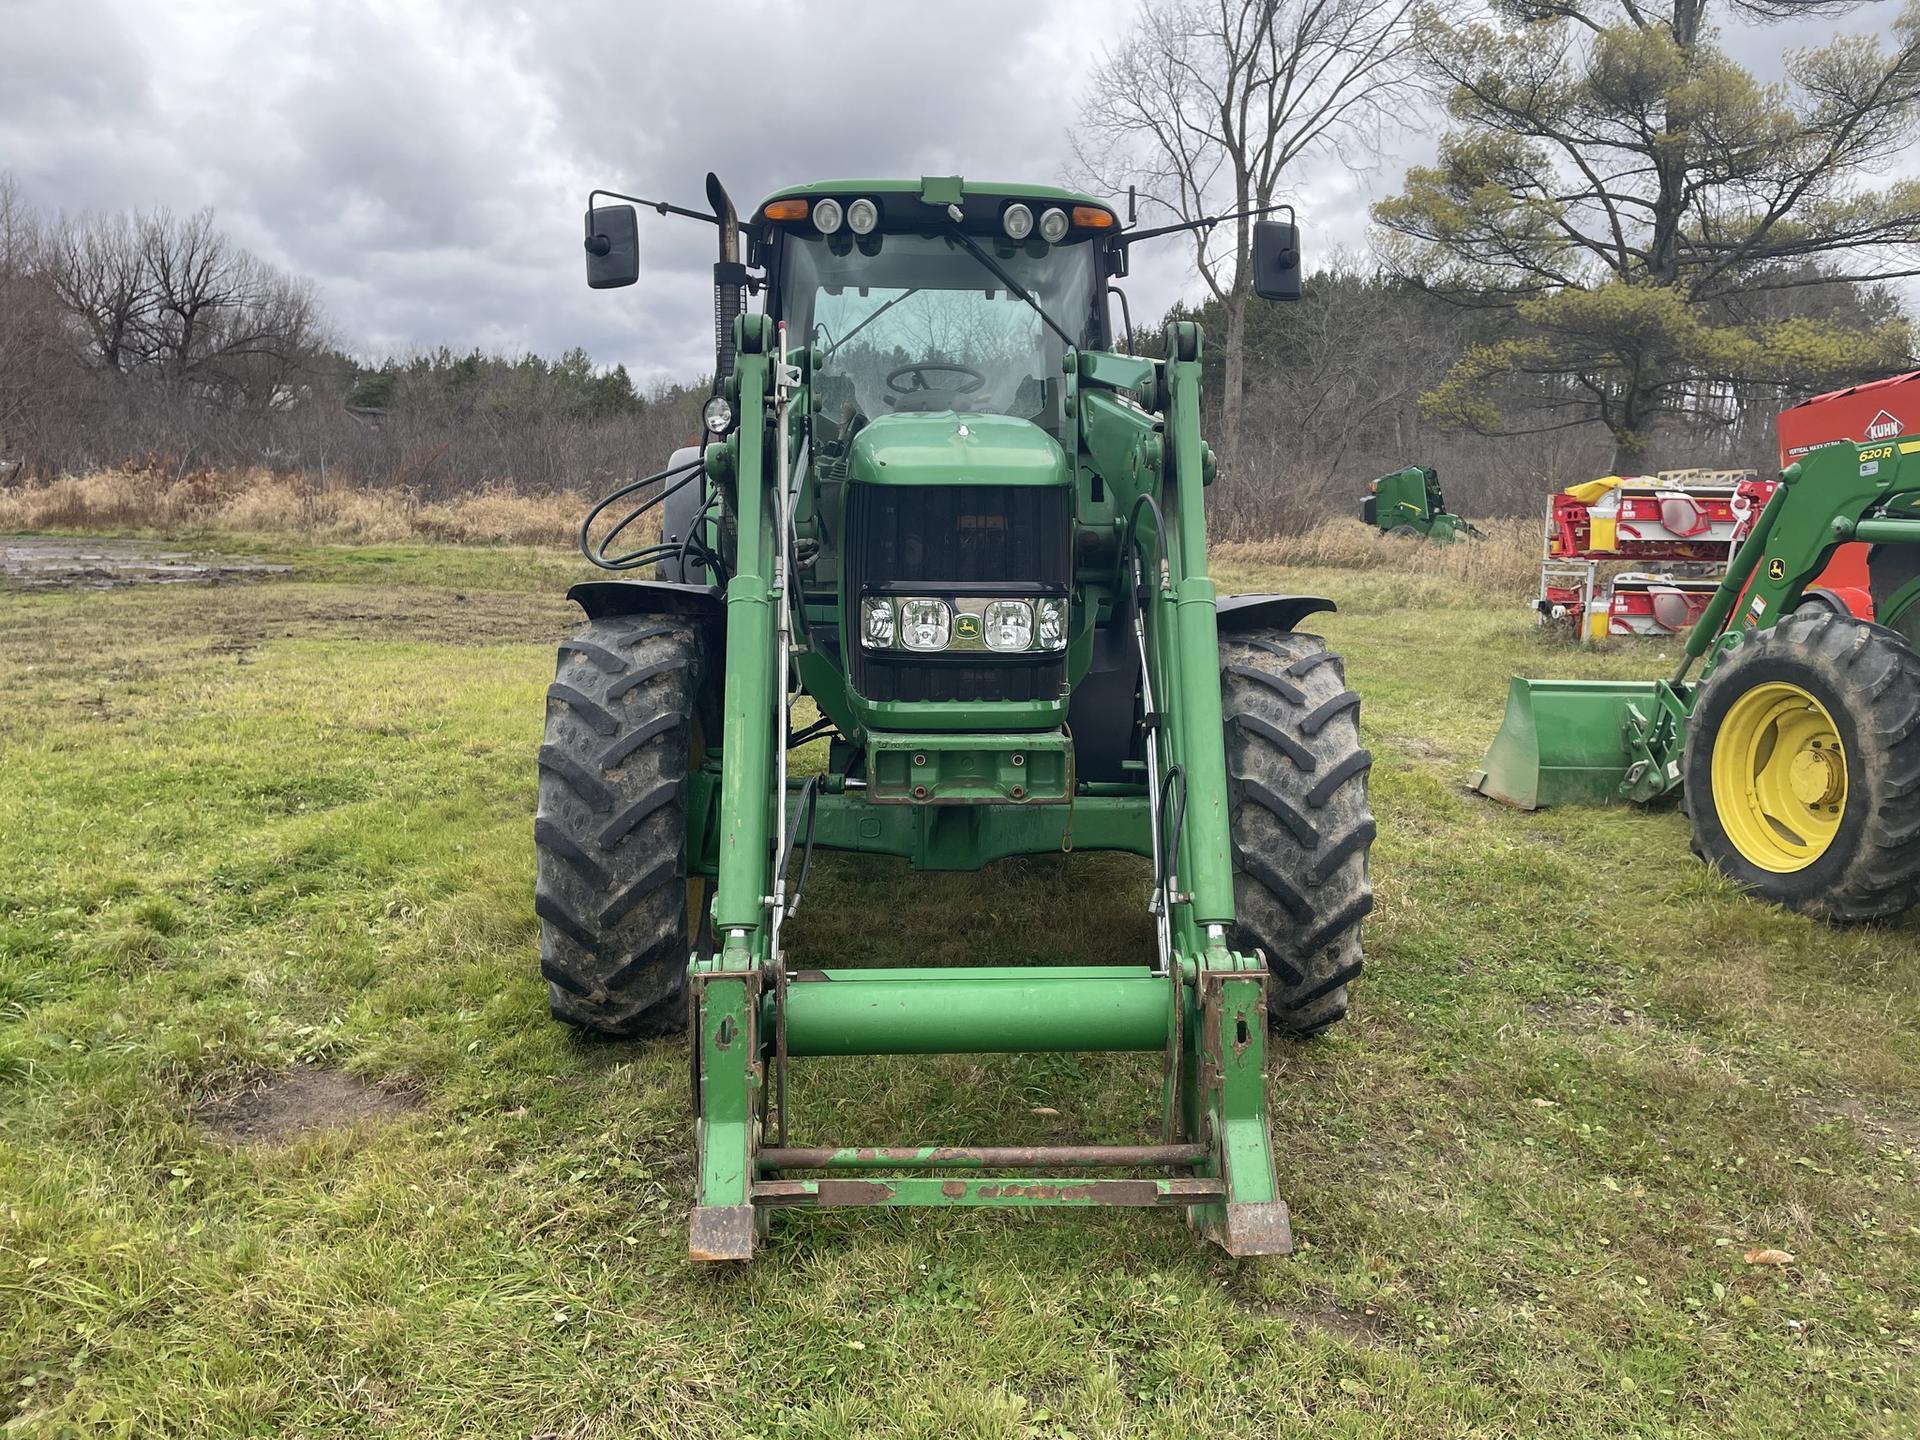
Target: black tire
1890,569
1821,602
611,831
1297,803
1868,680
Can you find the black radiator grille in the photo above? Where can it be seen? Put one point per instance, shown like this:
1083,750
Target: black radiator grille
949,540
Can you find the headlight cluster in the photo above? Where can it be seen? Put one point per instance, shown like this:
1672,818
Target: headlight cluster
1017,221
924,624
860,216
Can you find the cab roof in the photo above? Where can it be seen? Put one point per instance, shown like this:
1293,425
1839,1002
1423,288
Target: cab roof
934,190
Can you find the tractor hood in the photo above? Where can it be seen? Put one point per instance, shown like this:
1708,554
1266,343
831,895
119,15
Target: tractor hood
940,447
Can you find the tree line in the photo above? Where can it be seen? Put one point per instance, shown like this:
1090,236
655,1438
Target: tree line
156,341
1627,254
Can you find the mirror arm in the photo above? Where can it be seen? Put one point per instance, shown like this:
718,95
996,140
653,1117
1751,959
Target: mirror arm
659,206
1204,222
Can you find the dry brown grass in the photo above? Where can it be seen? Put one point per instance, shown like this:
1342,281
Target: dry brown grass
1506,560
261,503
258,502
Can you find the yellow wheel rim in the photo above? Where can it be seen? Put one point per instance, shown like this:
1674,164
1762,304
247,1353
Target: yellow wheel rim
1779,777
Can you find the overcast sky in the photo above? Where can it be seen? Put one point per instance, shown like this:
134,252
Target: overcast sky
425,163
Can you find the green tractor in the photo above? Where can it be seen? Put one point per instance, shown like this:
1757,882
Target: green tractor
939,500
1408,505
1797,749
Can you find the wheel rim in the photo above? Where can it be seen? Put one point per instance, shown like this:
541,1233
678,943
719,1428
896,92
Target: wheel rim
1779,777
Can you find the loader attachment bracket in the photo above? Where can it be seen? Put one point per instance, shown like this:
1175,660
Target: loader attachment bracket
1653,735
1216,1163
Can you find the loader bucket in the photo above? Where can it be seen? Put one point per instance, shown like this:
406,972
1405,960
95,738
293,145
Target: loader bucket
1561,743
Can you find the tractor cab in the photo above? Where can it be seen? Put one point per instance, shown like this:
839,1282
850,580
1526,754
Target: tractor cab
911,311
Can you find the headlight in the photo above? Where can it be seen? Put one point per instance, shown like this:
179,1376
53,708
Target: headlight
925,624
826,216
718,415
1053,624
1053,225
876,622
862,216
1017,221
1009,625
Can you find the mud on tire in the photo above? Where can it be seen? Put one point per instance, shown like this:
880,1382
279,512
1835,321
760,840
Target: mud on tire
1297,797
611,828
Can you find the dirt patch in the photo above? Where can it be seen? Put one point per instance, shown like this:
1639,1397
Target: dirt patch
1877,1127
287,1104
45,562
1365,1326
231,622
1587,1012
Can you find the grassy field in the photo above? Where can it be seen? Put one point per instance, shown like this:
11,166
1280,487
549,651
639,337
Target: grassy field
256,839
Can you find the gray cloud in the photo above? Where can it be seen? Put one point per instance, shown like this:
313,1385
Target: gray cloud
425,163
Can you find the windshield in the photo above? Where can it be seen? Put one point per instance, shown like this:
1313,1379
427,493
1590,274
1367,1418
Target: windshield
917,322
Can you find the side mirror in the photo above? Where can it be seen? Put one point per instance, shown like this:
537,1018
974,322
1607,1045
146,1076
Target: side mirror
613,247
1276,260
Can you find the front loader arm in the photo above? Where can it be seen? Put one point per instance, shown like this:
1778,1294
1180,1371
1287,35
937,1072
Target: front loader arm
1204,1006
1836,494
730,1079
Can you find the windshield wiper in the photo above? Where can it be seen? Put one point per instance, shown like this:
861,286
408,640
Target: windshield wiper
994,267
871,318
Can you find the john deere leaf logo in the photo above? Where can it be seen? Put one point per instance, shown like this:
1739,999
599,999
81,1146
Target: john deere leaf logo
967,627
1776,569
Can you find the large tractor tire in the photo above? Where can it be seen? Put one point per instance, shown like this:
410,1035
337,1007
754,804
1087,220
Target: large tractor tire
617,911
1297,801
1802,769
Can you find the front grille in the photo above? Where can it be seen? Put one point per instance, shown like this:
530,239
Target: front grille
949,540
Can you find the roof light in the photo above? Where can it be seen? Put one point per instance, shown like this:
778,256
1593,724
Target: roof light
1092,217
827,216
1053,225
862,216
785,210
1017,221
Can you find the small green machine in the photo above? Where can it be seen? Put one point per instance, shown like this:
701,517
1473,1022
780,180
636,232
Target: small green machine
1798,746
939,498
1408,504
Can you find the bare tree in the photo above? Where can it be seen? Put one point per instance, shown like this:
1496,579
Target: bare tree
97,270
221,321
1209,104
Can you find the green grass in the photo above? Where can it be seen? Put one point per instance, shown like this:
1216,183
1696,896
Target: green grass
247,828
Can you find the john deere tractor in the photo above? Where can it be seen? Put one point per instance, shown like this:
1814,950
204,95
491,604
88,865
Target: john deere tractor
940,499
1797,748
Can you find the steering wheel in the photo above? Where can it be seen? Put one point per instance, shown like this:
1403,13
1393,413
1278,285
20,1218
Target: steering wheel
971,380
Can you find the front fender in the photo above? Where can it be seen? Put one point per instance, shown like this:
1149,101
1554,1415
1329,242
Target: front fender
1237,614
602,599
